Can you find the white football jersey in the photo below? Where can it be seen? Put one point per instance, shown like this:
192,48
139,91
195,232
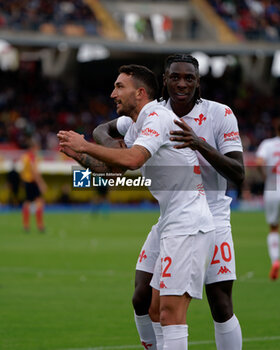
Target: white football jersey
175,174
269,151
216,124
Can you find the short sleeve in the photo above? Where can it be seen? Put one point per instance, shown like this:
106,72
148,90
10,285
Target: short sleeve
261,151
123,124
227,132
154,132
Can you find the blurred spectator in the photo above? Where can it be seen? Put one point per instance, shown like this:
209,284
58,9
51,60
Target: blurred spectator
34,185
52,16
251,19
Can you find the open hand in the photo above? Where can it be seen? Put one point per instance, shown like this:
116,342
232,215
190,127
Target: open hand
187,136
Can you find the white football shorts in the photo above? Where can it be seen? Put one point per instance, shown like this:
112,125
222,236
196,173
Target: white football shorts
149,252
272,207
182,264
222,264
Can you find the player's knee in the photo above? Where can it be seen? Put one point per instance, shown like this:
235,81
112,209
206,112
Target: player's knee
223,311
141,300
220,301
169,315
142,296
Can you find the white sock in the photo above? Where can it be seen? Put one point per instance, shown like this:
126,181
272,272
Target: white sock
159,335
175,337
146,331
228,334
273,246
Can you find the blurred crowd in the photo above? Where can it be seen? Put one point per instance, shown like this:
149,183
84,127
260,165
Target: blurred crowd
56,16
251,19
32,104
257,110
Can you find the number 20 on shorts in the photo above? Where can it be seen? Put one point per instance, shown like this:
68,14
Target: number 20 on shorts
225,253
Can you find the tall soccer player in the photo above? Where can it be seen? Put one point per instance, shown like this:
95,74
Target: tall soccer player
185,226
210,129
268,159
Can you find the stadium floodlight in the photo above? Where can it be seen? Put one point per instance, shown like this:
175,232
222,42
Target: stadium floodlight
218,66
275,68
89,52
203,60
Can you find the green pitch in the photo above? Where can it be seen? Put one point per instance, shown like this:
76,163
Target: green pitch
71,287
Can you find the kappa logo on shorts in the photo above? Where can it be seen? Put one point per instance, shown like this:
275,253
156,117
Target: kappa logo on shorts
142,256
81,178
146,346
223,270
162,285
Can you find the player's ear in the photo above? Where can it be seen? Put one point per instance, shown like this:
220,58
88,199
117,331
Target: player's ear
141,92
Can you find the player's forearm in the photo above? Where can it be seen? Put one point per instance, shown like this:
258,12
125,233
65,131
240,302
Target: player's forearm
93,164
230,166
120,158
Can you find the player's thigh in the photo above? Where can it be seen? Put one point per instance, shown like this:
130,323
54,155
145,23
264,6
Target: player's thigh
222,264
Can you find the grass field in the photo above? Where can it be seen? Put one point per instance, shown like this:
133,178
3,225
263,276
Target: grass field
71,287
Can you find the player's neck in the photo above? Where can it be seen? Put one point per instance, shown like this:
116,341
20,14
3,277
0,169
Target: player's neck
138,109
181,109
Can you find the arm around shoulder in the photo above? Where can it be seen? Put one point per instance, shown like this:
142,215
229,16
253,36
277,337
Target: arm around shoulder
106,134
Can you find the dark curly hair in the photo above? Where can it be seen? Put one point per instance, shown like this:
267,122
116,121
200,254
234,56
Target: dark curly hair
144,76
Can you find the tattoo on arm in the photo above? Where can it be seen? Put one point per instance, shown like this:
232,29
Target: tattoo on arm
93,164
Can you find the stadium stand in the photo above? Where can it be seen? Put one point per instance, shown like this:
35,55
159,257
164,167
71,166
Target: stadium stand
251,19
76,18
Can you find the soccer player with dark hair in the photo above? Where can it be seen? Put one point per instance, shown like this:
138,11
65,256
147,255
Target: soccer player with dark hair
185,228
211,129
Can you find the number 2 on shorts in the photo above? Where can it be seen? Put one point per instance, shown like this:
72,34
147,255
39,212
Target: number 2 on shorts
169,261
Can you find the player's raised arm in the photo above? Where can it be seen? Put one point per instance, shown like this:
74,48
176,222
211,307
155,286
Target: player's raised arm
132,158
106,134
87,161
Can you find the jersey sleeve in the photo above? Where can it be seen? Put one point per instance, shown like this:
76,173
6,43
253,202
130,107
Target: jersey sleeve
154,132
227,132
262,150
123,124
